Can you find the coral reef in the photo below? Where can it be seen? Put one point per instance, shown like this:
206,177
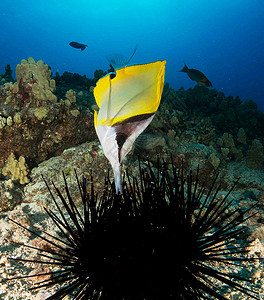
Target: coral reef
227,114
227,142
17,172
16,169
98,74
48,128
11,195
128,246
241,136
32,123
70,96
197,115
214,160
80,85
42,132
193,116
7,76
33,86
82,158
8,73
255,156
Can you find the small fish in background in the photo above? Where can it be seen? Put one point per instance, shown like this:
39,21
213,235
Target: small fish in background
127,104
118,61
77,45
197,76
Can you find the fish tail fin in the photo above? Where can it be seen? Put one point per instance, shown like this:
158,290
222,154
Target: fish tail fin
84,47
184,69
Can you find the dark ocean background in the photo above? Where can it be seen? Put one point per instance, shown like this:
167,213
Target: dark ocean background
223,39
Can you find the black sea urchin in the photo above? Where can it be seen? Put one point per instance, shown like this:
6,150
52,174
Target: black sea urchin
164,238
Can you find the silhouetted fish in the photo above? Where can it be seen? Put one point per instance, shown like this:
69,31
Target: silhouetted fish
78,45
197,76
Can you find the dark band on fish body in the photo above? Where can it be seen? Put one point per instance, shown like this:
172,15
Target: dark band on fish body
120,139
125,128
136,118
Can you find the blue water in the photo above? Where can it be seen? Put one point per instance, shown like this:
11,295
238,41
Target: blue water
223,39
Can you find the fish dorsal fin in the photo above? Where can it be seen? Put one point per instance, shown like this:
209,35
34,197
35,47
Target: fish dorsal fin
118,61
185,68
136,90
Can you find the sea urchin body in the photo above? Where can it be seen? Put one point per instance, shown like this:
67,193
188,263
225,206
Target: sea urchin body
162,239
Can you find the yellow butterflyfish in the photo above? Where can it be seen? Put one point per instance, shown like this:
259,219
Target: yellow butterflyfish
127,104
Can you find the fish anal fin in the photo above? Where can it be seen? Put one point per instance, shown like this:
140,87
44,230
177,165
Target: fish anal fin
118,179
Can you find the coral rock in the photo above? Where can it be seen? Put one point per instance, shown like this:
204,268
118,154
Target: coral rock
41,112
11,195
255,156
17,118
38,77
16,169
71,96
33,123
241,136
214,160
228,142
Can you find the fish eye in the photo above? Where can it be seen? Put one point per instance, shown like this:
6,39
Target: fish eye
112,75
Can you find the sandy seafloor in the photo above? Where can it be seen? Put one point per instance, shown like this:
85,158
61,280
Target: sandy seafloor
31,213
